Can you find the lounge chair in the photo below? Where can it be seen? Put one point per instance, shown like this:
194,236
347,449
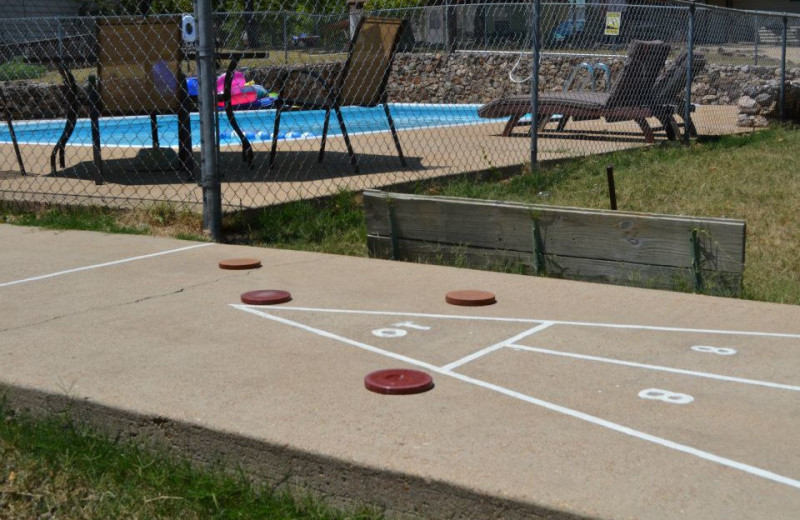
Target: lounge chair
630,98
669,91
139,73
361,82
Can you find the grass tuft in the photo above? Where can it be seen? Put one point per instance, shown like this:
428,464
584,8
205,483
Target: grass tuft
335,225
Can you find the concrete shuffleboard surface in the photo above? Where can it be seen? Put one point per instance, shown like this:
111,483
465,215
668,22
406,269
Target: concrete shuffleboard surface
561,400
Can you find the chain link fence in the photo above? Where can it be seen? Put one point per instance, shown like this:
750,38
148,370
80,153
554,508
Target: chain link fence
312,99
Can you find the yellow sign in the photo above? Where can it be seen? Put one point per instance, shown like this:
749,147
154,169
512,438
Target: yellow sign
613,23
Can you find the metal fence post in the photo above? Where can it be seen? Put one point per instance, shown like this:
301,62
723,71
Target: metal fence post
207,86
60,39
446,23
452,28
536,15
755,47
687,106
783,69
286,37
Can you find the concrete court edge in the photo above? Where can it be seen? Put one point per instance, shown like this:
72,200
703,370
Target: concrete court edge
335,482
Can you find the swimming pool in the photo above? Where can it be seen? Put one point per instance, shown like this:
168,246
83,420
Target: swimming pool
134,131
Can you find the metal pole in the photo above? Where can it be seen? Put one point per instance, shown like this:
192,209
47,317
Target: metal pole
783,69
207,86
485,27
60,40
755,50
537,9
687,106
446,23
285,37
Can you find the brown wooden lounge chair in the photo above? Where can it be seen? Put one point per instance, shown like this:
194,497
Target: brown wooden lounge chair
361,82
669,91
630,98
139,73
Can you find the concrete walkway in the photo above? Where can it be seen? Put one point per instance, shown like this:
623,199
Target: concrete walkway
562,400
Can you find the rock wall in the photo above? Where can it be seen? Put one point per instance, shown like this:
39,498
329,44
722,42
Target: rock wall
37,100
479,78
474,78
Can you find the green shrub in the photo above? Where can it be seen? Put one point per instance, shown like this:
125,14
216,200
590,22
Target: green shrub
16,68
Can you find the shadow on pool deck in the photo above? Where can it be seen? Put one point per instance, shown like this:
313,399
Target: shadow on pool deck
430,153
294,166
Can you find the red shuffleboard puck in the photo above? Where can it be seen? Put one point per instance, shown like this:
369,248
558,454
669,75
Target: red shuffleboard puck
398,381
266,297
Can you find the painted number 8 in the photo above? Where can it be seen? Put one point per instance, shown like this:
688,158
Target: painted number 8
657,394
720,351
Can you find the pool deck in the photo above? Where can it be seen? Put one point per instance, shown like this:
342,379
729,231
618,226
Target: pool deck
430,153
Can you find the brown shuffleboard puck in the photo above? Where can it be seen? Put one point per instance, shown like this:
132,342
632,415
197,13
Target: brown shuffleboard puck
240,263
470,298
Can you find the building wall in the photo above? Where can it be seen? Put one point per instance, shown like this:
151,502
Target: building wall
40,27
787,6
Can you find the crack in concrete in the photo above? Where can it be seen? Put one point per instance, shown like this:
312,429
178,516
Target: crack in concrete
121,304
153,297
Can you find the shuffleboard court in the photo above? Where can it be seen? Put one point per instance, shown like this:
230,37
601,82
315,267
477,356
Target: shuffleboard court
562,399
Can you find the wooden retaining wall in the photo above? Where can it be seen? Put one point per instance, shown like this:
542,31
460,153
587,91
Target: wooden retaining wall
646,250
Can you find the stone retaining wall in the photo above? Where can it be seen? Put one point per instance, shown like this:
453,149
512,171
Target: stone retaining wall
478,78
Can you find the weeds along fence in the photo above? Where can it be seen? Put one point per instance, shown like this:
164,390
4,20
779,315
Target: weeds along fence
104,108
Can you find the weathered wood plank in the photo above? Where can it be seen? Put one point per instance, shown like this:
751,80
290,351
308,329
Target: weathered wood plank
458,256
487,225
592,270
720,283
595,234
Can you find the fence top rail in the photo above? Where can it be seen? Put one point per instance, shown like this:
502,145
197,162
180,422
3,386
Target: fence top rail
673,4
749,12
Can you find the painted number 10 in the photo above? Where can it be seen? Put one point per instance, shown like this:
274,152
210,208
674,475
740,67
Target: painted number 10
396,331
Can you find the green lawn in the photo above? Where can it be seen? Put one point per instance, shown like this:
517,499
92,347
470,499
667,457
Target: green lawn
753,177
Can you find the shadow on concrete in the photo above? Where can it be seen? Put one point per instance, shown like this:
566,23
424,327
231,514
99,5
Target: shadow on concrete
290,166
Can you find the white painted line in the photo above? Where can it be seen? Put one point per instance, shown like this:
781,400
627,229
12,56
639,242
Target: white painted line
680,329
555,322
106,264
336,337
659,368
496,346
705,455
747,468
409,314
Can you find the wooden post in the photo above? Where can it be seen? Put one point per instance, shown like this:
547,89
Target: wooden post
612,190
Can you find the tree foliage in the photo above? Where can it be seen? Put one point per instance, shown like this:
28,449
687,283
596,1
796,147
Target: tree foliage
138,7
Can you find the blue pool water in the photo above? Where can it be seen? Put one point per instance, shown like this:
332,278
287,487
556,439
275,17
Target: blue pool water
257,125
